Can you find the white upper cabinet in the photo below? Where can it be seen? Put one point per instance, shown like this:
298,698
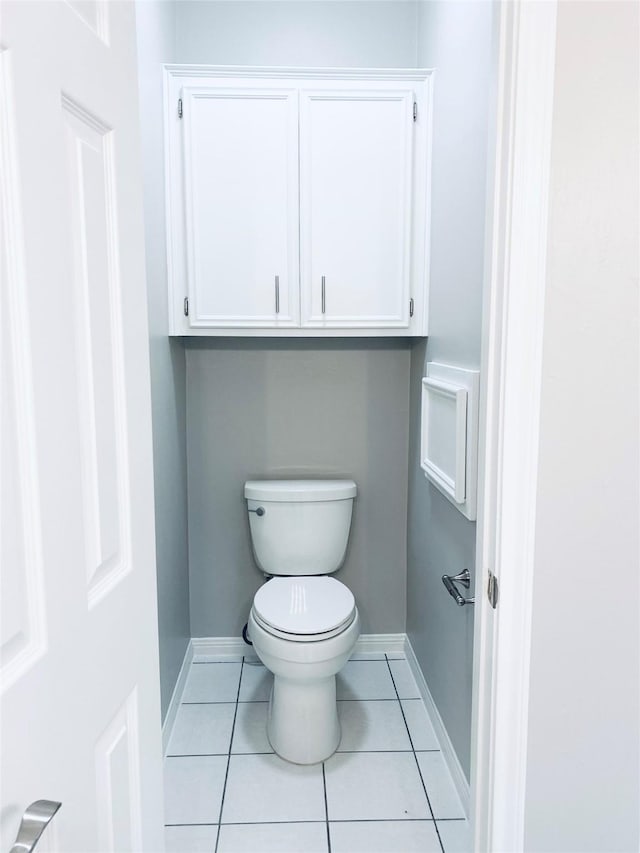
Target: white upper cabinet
297,201
355,207
241,198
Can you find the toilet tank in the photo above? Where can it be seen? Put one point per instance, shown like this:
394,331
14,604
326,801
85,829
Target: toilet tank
304,526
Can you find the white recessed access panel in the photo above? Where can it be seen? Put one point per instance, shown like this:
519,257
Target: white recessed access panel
449,449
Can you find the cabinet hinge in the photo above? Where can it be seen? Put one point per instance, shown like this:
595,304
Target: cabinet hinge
411,307
492,590
179,107
186,306
415,111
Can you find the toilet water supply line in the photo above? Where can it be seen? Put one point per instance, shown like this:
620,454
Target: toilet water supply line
245,630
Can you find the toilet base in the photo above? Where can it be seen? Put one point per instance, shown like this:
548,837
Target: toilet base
303,722
303,725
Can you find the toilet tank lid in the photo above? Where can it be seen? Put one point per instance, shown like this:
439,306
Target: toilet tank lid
300,490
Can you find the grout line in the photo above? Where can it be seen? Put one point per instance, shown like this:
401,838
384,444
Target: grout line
392,699
381,659
339,820
388,820
239,702
197,755
270,822
214,663
375,751
382,751
254,753
226,775
337,752
271,752
326,807
424,787
366,660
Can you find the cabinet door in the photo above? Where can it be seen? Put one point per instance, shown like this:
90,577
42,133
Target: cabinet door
355,214
241,199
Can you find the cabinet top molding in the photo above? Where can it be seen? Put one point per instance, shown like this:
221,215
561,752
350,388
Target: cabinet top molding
418,74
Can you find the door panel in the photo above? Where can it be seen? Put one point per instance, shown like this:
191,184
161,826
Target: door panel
117,774
23,617
241,176
355,166
99,356
80,694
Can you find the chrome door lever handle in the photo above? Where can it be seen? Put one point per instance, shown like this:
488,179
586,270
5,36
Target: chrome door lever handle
34,822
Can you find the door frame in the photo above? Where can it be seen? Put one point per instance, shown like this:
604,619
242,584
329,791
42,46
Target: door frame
512,352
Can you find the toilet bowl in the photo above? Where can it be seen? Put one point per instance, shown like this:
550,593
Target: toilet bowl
303,724
303,624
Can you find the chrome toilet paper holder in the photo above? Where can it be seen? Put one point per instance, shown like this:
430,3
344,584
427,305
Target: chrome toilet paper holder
463,578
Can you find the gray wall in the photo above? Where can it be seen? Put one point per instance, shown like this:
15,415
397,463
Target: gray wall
156,34
264,408
582,790
323,33
296,409
456,40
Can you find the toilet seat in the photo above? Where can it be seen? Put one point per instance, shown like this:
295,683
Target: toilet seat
304,609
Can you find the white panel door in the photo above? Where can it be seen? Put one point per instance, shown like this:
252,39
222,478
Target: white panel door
241,198
355,208
78,656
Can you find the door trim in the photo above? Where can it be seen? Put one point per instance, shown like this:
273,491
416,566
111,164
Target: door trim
513,324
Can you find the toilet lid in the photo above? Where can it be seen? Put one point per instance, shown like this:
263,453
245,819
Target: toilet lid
304,605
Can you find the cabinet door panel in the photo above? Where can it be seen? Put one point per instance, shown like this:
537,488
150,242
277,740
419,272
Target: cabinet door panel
241,199
355,167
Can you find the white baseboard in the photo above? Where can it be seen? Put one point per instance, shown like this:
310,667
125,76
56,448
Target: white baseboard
220,648
372,644
176,697
448,752
235,647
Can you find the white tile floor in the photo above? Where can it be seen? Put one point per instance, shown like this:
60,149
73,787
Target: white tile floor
386,790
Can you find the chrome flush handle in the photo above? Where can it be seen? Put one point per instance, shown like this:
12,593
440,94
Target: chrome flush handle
34,822
259,512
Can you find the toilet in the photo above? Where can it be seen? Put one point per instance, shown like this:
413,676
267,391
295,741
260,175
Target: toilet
303,624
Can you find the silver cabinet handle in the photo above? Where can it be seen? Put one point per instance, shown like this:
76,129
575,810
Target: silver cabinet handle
277,294
324,291
450,585
34,822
